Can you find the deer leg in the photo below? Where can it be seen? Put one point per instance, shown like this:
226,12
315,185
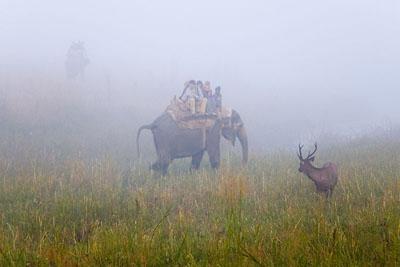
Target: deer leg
329,192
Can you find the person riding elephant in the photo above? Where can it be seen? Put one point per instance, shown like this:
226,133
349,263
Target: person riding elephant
190,95
202,101
218,98
214,103
206,89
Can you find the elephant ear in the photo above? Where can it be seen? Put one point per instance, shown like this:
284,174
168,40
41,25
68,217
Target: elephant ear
236,120
229,134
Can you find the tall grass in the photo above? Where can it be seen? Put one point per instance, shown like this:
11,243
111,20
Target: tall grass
79,212
71,195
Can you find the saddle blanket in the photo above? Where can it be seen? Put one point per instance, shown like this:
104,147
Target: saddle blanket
180,113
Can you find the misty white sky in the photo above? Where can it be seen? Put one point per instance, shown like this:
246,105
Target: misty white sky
330,58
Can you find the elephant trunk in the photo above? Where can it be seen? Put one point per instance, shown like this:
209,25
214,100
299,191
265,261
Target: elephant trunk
242,135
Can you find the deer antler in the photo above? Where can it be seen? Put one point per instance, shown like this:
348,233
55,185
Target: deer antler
312,153
299,153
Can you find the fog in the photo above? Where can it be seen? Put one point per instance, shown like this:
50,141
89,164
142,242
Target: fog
295,70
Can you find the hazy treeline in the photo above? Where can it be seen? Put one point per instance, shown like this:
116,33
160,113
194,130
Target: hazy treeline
102,114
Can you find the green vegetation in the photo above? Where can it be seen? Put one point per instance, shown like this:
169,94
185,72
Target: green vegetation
79,212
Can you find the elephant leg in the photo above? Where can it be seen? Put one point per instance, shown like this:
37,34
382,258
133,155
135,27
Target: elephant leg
196,160
213,147
214,158
164,169
161,165
214,164
156,166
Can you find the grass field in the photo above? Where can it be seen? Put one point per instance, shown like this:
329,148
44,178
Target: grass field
80,212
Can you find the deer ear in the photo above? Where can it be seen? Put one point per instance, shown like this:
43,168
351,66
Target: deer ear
312,158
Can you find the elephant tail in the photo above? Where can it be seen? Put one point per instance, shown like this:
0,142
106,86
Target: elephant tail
144,127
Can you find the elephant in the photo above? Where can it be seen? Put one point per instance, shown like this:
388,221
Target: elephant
173,142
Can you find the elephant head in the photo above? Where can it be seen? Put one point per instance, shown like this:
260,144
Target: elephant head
233,128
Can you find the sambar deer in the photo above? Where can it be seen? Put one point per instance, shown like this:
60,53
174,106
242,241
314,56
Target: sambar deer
324,178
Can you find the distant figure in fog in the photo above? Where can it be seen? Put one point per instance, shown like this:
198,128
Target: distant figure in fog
76,61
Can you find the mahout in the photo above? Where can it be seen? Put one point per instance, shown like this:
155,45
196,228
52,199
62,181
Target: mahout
174,142
324,178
